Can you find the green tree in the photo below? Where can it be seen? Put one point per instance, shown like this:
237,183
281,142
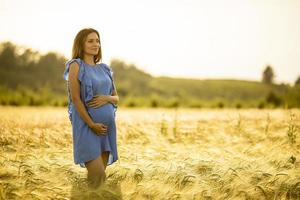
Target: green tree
274,99
8,57
297,82
268,75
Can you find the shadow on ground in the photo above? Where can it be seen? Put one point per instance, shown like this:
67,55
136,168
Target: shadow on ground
109,190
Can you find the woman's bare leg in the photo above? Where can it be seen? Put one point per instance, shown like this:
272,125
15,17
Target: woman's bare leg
105,158
96,172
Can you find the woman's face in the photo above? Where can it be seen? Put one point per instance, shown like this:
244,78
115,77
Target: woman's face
92,44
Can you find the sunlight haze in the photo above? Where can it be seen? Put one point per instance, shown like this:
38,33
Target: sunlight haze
230,39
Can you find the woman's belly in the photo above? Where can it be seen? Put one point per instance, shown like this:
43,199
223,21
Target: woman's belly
103,114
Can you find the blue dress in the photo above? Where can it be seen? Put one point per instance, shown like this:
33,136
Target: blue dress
94,80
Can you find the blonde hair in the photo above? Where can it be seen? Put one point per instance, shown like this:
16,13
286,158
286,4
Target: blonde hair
78,44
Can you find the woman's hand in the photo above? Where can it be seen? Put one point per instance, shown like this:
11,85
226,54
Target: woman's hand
113,99
98,128
97,101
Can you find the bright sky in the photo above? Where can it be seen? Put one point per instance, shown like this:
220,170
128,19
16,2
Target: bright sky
183,38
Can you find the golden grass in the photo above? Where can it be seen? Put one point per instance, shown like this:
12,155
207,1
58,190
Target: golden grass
163,154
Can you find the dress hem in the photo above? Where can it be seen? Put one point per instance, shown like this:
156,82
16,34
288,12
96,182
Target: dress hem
111,159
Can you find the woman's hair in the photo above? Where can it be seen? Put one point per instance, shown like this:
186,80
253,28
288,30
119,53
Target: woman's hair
78,44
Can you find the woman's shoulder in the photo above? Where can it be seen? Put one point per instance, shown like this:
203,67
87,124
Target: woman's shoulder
77,60
67,69
108,69
105,66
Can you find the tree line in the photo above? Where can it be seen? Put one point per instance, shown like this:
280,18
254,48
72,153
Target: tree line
30,78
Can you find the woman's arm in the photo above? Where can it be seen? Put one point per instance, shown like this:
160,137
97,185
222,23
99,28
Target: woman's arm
114,98
74,86
100,100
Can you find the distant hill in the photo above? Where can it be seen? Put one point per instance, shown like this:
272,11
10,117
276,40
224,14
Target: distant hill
29,78
168,91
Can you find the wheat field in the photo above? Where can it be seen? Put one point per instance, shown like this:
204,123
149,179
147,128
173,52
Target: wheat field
163,154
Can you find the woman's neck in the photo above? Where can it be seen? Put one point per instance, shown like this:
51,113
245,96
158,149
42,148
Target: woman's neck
89,60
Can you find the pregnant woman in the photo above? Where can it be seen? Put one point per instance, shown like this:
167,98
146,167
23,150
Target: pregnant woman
92,105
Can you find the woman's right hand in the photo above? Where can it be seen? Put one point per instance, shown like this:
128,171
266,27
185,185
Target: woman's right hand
99,129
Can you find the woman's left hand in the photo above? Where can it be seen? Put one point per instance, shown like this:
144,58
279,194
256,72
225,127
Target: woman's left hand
97,101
